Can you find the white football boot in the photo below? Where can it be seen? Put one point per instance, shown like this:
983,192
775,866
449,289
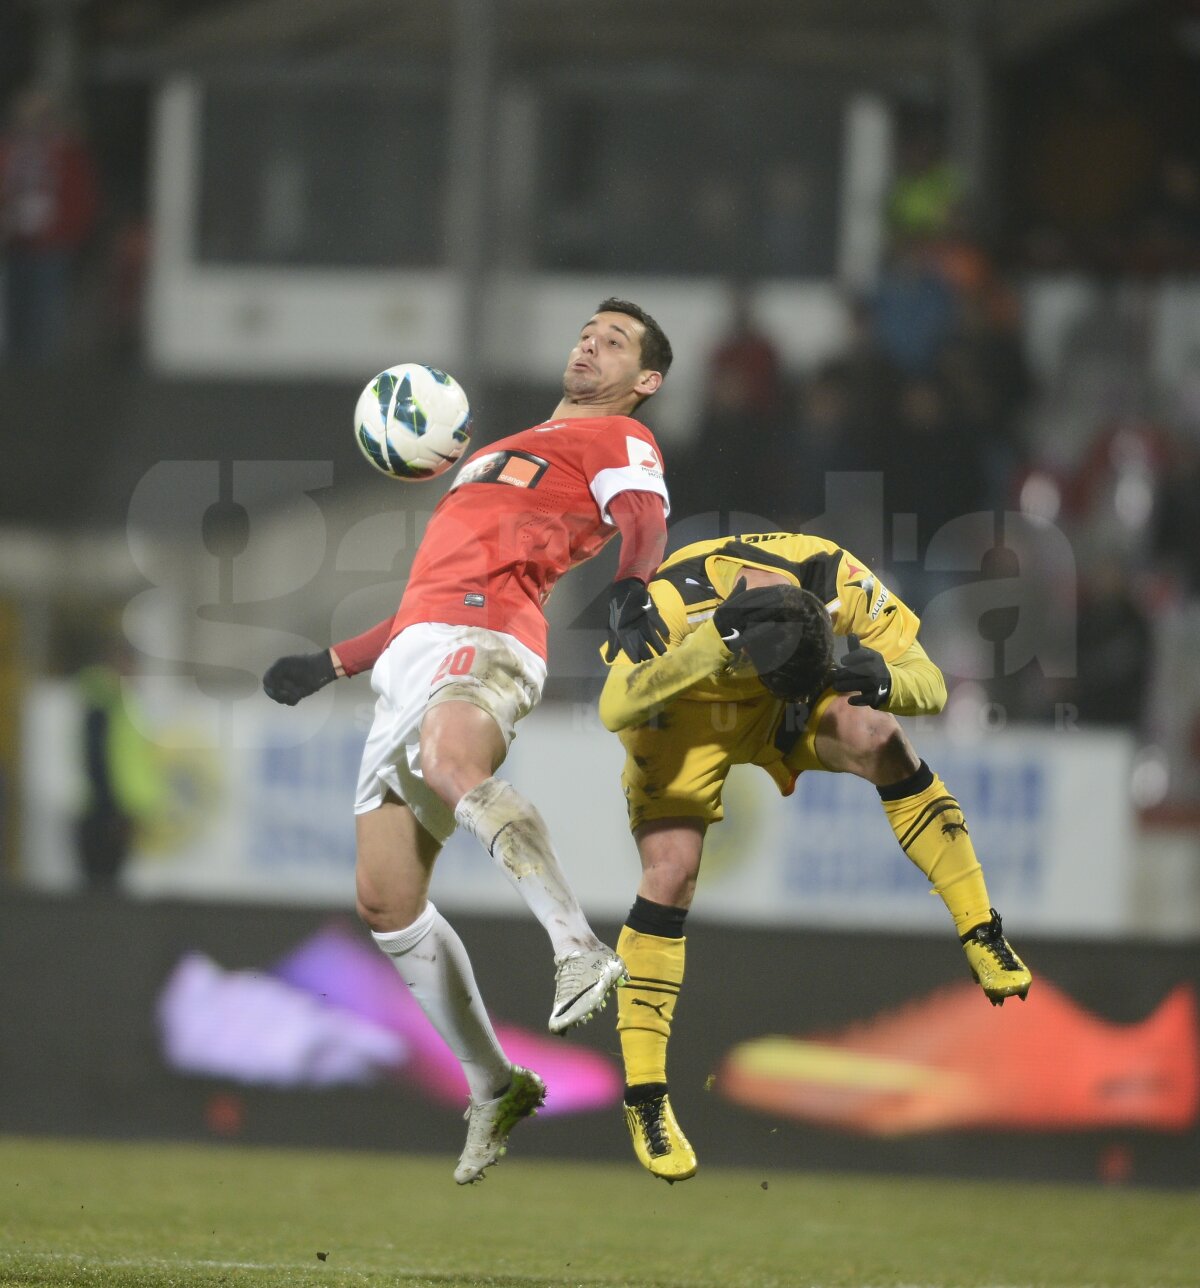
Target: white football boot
489,1123
582,982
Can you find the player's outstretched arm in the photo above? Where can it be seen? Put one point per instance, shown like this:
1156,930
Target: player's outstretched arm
745,622
293,678
635,692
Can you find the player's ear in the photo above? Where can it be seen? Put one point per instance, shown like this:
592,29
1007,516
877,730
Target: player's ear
649,382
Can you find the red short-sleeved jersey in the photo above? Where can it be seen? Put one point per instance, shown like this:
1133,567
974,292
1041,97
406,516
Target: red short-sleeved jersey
521,513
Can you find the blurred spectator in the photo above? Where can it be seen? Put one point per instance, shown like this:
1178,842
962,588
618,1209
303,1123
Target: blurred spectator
48,206
1111,497
745,374
717,221
868,374
732,464
958,255
125,286
927,186
1103,377
1185,400
933,468
1169,237
126,786
790,242
987,380
1177,519
914,308
1115,649
826,441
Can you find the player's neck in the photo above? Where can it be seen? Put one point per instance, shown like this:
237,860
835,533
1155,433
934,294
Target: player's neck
569,410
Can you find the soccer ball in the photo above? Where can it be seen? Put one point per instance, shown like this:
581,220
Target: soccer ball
412,422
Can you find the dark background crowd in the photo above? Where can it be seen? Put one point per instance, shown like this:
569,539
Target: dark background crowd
938,390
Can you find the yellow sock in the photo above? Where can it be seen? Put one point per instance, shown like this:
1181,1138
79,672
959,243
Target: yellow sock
646,1005
931,830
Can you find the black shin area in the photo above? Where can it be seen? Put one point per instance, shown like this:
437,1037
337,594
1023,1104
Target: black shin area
649,918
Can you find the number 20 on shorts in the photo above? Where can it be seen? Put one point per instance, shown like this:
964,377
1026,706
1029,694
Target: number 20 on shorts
457,663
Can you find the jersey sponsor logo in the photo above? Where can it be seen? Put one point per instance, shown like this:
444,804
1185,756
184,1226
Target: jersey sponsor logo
643,456
517,469
880,599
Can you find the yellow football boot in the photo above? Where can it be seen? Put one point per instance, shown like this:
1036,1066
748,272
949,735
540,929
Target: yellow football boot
661,1147
998,970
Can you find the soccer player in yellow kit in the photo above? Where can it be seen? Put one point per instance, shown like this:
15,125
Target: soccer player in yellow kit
751,622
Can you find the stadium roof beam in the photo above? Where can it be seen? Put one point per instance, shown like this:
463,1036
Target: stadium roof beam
887,41
1030,25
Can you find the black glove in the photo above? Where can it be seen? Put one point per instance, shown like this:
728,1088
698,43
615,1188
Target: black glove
864,673
634,622
757,622
292,678
784,632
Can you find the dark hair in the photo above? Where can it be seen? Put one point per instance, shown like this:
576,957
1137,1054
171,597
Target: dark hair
795,663
656,348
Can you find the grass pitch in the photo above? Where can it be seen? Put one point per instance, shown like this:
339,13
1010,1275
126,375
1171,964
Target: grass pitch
100,1214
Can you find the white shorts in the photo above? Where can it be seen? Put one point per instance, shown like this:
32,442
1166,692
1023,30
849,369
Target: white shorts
426,664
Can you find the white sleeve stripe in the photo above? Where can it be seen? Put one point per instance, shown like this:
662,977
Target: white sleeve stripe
626,478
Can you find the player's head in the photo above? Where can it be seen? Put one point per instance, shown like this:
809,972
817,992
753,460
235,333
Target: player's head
620,359
795,661
656,348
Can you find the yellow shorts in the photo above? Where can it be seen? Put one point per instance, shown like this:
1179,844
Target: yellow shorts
676,766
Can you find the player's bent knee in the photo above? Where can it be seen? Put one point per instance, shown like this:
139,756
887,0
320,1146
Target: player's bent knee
672,886
451,776
368,914
453,771
382,916
371,909
381,909
876,745
461,746
891,756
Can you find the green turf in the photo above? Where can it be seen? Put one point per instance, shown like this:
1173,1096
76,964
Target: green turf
132,1215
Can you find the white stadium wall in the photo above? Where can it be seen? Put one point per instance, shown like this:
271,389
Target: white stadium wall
319,323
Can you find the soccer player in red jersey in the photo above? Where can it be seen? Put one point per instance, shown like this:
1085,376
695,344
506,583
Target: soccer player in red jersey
463,660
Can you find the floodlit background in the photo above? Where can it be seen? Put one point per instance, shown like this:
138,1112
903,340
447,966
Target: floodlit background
930,270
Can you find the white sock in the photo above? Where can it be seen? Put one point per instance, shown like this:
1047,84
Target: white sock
515,835
432,961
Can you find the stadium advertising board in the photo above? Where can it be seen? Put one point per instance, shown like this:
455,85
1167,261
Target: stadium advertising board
266,816
813,1049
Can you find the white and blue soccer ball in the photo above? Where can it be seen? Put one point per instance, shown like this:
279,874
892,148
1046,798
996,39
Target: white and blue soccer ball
412,422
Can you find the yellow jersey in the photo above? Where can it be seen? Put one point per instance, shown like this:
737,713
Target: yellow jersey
690,585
